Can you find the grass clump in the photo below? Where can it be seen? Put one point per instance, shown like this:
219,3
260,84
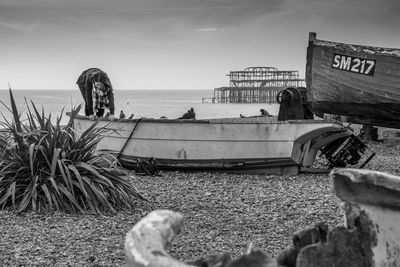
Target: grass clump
47,166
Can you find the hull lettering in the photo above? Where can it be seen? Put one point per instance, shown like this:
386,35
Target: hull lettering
354,64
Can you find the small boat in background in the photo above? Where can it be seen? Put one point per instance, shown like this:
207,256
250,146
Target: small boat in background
360,82
250,145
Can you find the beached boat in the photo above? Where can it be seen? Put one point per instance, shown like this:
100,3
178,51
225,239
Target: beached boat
360,82
258,144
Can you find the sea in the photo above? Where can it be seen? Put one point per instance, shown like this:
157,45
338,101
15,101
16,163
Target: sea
142,103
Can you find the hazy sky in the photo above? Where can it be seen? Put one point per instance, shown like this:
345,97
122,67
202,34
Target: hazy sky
176,44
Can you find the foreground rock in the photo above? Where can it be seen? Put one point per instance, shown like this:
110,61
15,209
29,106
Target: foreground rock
145,244
370,235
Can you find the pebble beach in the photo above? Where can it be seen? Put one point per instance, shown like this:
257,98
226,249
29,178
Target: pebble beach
223,213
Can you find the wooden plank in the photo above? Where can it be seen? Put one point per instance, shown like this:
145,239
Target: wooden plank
342,89
376,87
390,79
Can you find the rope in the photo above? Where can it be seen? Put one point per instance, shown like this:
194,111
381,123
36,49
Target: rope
127,140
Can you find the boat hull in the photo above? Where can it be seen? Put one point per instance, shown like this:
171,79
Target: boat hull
239,144
360,82
382,114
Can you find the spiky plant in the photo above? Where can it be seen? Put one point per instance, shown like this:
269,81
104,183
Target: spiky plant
48,166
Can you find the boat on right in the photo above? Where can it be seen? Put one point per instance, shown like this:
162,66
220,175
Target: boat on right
359,82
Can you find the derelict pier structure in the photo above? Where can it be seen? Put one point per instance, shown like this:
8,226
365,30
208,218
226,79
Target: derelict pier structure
256,85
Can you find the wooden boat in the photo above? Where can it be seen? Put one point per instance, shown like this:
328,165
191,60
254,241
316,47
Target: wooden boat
258,144
360,82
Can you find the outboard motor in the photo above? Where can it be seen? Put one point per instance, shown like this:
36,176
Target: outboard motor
347,151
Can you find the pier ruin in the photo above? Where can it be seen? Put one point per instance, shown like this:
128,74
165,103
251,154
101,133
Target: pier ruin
255,85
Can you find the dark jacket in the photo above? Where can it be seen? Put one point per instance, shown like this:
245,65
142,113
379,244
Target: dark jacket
85,83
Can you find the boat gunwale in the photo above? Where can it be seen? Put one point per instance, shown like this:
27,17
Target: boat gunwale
214,121
357,48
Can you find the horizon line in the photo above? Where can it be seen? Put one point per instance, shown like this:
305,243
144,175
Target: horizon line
26,89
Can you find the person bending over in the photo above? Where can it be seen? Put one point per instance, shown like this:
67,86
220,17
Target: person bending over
97,91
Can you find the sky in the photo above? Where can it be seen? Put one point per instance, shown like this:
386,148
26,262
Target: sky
176,44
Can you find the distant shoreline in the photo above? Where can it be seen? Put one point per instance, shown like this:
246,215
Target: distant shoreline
76,89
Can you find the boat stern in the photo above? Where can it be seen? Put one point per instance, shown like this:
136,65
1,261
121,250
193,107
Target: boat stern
335,143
